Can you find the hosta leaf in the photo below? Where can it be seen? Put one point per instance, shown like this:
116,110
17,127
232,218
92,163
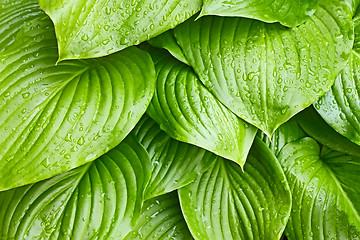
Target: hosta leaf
95,28
340,107
317,128
266,73
288,132
325,191
167,40
227,203
55,118
288,12
175,164
161,218
13,16
188,112
101,200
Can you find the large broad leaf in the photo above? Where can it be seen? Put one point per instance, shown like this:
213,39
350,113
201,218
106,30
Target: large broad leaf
317,128
288,12
15,15
266,73
188,112
55,118
162,219
340,107
325,190
227,203
174,164
101,200
92,28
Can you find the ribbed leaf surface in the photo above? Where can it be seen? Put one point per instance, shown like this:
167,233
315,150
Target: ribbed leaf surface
325,191
55,118
227,203
288,12
93,28
175,164
266,73
161,219
101,200
188,112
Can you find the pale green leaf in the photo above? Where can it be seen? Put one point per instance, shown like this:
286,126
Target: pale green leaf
188,112
325,191
266,73
227,203
55,118
92,28
288,12
101,200
161,219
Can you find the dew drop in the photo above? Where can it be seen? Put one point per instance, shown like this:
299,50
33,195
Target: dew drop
81,141
85,37
67,156
26,95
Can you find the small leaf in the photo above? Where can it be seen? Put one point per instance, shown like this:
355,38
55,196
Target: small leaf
288,12
174,164
227,203
188,112
325,191
101,200
266,73
55,118
161,218
92,28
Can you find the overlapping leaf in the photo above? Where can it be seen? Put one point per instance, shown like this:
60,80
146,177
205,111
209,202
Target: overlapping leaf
101,200
161,218
95,28
188,112
325,190
55,118
288,12
227,203
266,73
175,164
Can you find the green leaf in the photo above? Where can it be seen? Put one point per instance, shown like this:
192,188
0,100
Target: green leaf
227,203
188,112
317,128
266,73
288,12
161,218
174,164
55,118
341,105
167,41
288,132
92,28
325,190
14,16
101,200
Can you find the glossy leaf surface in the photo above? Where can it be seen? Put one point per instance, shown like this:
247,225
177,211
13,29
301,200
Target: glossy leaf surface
266,73
55,118
325,190
92,28
101,200
227,203
288,12
188,112
175,164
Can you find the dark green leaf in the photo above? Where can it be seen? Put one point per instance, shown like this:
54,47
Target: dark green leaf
101,200
227,203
